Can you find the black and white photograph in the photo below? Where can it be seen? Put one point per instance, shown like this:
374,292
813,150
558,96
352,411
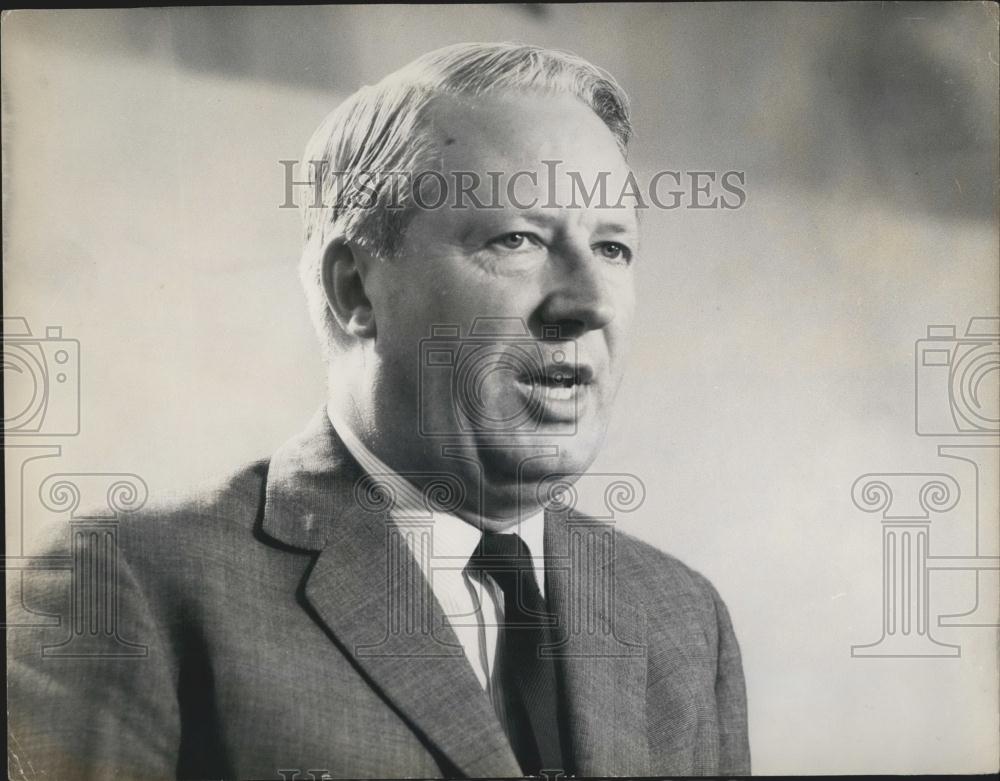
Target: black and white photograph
501,390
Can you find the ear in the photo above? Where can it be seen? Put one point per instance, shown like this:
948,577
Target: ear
344,284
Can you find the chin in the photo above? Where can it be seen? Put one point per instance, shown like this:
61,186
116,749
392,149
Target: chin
513,473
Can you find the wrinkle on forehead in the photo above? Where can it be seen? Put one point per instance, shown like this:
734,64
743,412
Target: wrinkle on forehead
518,130
543,147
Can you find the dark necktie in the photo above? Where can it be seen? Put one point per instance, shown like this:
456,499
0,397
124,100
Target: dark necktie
526,695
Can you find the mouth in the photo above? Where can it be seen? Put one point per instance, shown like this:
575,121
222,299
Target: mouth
557,386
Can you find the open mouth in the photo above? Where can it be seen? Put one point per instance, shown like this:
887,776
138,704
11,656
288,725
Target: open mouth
557,383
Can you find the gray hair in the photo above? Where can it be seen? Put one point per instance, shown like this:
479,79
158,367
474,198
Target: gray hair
381,128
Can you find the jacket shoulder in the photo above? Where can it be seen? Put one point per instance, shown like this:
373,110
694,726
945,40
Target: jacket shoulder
661,570
668,588
223,505
232,497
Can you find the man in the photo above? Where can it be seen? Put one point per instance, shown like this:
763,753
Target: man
407,589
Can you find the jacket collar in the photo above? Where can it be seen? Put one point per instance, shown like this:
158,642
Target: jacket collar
363,576
376,604
310,483
600,646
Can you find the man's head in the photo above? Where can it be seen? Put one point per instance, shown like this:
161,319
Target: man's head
473,303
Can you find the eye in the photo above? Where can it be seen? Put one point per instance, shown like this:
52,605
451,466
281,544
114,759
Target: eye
612,250
515,241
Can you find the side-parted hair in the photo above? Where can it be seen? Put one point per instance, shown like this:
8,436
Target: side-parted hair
382,128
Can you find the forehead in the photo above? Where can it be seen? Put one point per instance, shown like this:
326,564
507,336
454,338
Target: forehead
517,131
525,153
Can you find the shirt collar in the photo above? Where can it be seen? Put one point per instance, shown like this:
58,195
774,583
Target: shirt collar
453,537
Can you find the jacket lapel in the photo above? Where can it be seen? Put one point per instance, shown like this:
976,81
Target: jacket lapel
600,647
371,596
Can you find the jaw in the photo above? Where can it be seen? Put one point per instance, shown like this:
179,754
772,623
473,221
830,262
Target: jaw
503,478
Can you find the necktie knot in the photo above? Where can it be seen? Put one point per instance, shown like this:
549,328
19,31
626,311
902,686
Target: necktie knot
506,559
495,547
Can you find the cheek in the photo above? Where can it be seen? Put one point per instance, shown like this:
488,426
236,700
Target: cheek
625,301
407,304
626,328
464,295
619,333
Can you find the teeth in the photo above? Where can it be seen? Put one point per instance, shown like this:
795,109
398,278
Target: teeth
564,393
547,389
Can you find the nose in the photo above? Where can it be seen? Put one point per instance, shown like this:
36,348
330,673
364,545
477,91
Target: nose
580,297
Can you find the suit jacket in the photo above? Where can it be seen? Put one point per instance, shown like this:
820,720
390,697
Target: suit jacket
265,632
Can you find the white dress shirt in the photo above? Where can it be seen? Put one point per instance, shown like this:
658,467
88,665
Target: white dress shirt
472,606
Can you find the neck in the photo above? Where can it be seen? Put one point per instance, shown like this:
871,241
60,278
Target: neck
455,477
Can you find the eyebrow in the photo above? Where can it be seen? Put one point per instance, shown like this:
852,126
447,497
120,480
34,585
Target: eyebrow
551,219
616,228
603,225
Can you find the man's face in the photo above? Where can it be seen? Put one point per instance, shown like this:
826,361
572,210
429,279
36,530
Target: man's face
543,298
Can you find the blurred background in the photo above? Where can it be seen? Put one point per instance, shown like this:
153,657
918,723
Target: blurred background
774,360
